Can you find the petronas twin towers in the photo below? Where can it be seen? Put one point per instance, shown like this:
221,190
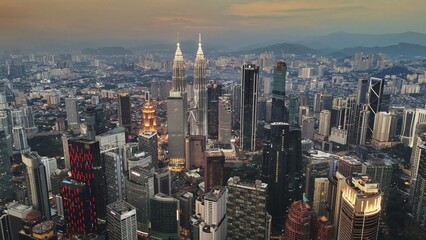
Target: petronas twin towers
198,109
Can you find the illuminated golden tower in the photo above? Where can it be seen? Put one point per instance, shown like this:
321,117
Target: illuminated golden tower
149,122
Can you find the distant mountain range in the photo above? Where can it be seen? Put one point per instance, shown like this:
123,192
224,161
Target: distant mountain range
340,40
401,49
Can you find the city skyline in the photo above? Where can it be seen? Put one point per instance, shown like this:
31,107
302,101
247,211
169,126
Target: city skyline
133,23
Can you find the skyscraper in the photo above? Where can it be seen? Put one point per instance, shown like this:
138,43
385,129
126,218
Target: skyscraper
177,129
298,225
121,221
214,166
149,121
88,181
214,92
225,119
381,130
362,91
248,109
246,209
148,142
36,179
359,209
139,189
419,198
179,75
324,123
236,105
176,113
210,219
380,170
164,217
77,208
376,102
199,126
124,115
6,185
279,109
71,109
320,195
195,151
162,181
20,141
114,176
282,171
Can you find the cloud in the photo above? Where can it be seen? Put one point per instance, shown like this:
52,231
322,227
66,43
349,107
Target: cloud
288,8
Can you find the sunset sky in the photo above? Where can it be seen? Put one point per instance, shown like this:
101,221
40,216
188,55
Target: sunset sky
26,21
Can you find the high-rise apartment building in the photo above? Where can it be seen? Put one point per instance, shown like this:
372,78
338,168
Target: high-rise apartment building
114,176
121,221
71,109
6,185
382,127
360,209
210,219
36,181
419,199
320,195
324,123
225,119
214,166
20,142
248,109
279,109
124,115
247,210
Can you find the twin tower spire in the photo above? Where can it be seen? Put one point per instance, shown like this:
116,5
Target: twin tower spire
198,112
179,74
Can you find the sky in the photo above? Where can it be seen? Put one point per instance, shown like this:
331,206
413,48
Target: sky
45,21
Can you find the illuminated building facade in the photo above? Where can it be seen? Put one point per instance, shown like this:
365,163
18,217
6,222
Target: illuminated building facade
85,188
149,121
360,209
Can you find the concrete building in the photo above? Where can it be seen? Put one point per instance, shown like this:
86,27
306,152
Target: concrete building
121,221
210,219
246,210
